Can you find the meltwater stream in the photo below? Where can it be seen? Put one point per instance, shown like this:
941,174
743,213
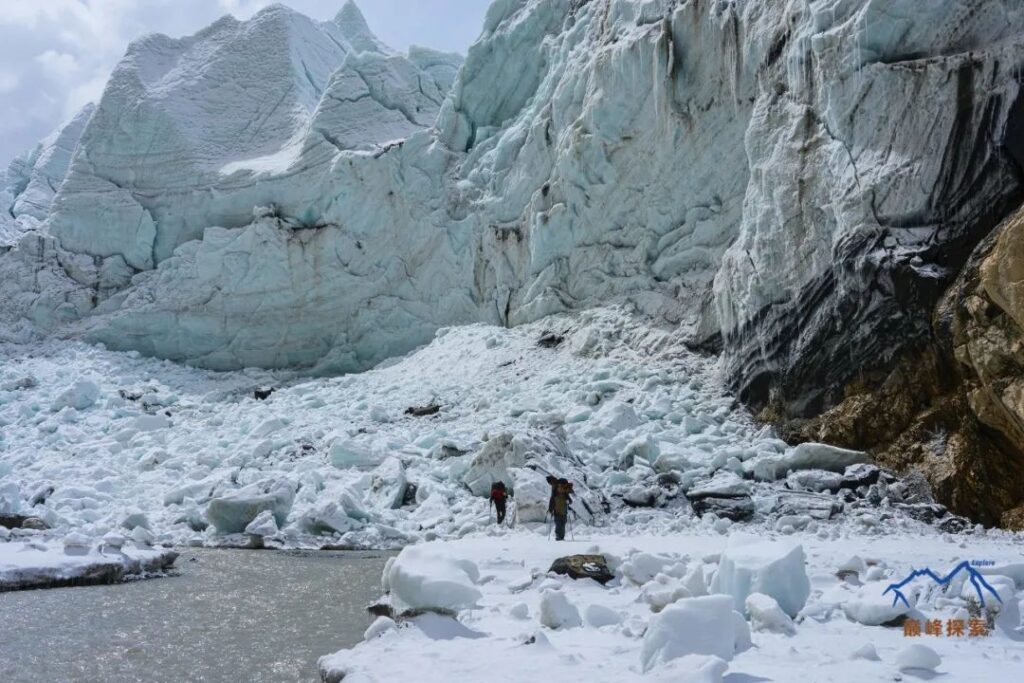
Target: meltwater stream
230,615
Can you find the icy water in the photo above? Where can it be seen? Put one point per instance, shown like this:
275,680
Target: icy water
231,615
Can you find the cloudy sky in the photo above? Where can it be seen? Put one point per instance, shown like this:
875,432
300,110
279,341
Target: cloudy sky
56,55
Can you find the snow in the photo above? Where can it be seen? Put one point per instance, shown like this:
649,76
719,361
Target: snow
221,444
701,626
45,561
81,395
751,565
917,656
422,579
822,641
557,612
766,615
869,607
379,627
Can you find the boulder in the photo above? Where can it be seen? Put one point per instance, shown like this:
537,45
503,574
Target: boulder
814,505
774,568
736,509
766,615
692,626
823,457
862,474
423,579
817,481
868,606
583,567
917,657
232,513
724,484
557,612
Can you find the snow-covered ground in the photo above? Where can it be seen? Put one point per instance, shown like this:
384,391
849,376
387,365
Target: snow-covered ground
192,456
101,445
75,561
609,633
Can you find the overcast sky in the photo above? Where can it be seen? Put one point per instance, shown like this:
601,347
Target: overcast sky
56,55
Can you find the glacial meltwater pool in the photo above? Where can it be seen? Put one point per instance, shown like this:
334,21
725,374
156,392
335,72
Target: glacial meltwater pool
229,616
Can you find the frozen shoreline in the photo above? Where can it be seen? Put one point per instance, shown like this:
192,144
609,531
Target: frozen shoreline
34,564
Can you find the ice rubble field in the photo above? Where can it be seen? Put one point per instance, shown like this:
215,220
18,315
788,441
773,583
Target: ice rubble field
114,449
612,633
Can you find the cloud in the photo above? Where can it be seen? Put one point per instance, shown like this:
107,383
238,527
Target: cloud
58,65
8,82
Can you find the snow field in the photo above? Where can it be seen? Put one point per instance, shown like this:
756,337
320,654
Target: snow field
520,628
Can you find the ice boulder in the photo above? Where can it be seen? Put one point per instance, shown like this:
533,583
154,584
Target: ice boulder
693,626
10,498
345,453
81,395
819,456
387,484
557,612
597,615
774,568
423,578
642,567
870,607
917,657
379,627
491,464
264,525
232,513
532,493
766,615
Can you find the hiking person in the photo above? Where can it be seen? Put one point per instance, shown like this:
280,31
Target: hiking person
558,505
499,496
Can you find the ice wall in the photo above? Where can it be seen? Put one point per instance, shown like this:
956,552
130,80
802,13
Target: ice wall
794,181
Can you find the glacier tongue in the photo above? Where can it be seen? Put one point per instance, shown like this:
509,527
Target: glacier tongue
771,179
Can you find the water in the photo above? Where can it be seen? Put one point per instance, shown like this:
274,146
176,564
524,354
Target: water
231,615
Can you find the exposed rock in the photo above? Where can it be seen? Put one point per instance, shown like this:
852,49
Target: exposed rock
856,476
723,485
23,522
423,411
952,409
817,481
817,506
550,340
737,509
583,567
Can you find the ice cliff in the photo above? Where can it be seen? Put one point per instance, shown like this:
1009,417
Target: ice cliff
795,182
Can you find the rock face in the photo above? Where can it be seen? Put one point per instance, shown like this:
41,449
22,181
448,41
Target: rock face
953,409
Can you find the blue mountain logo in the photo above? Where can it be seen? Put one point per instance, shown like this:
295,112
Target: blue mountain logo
977,580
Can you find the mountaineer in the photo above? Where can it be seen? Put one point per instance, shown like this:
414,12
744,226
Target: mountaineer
559,504
499,496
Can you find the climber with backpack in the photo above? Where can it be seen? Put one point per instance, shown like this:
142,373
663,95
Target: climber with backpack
499,497
559,504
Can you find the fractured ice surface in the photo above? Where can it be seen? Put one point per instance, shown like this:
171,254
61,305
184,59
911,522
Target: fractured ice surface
795,181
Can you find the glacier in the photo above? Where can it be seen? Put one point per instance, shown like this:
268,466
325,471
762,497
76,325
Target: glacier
767,177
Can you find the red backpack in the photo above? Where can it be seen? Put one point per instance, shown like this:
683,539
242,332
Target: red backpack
498,491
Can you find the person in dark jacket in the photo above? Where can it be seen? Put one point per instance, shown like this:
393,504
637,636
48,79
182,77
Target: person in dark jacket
558,504
499,498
